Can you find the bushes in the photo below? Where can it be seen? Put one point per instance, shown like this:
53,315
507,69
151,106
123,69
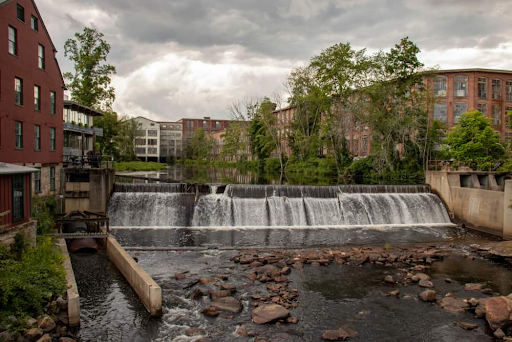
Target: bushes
27,284
44,208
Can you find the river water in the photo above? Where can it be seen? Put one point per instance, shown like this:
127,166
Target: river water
330,295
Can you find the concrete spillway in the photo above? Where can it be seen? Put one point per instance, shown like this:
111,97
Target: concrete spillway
273,206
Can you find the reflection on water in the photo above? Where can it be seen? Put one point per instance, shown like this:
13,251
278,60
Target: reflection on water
210,174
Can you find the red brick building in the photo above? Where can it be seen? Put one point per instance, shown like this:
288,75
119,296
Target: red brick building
189,126
31,94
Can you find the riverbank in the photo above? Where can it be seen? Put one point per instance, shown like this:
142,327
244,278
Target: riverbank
139,166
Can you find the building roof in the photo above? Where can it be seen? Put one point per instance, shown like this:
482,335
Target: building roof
12,169
93,112
496,71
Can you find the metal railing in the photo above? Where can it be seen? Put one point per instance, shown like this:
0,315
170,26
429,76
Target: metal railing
83,129
471,165
97,161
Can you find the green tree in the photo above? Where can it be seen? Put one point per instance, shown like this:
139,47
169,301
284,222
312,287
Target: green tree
235,141
119,134
200,146
110,126
474,142
90,82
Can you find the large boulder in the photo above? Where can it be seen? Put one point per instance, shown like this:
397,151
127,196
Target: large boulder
33,334
269,313
229,304
46,324
498,311
45,338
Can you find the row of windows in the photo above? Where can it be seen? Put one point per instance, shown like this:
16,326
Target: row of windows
355,144
460,87
440,112
18,136
190,124
20,14
71,115
13,47
37,180
18,96
151,142
142,150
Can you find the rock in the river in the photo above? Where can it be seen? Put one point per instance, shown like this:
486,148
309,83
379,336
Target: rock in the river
292,320
341,334
473,302
66,339
428,296
45,338
214,295
466,325
473,287
210,311
499,334
426,283
33,334
269,313
197,294
389,279
46,324
498,311
230,287
229,304
454,305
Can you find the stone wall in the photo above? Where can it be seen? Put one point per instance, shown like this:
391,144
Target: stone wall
28,229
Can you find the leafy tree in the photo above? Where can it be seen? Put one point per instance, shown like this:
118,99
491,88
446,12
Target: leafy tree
235,141
200,146
90,83
119,134
110,126
474,142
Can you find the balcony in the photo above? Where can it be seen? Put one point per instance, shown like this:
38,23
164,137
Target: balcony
69,126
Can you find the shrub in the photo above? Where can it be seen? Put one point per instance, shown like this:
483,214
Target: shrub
44,208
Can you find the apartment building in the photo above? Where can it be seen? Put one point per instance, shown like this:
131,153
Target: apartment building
147,144
79,131
31,95
171,137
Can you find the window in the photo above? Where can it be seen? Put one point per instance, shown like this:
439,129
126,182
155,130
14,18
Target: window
440,86
37,98
205,124
18,91
141,133
496,89
460,86
217,124
37,181
13,41
508,91
18,196
482,88
52,138
190,123
482,108
152,124
140,142
496,115
440,112
33,23
508,114
152,142
364,146
152,150
140,150
152,133
52,178
40,56
52,102
355,145
20,13
18,134
37,137
458,110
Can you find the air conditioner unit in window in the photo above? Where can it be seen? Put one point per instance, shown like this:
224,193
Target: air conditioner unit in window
441,93
460,93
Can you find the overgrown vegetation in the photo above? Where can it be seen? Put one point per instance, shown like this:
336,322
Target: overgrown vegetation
43,210
29,279
139,166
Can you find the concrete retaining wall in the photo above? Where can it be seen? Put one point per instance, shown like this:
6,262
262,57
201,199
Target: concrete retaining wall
470,203
28,229
148,291
72,293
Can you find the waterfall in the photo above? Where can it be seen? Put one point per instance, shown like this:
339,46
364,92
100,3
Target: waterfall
135,205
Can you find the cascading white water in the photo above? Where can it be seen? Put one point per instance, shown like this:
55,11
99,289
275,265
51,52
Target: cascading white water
271,206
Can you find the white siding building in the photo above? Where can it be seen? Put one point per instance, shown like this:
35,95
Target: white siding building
147,144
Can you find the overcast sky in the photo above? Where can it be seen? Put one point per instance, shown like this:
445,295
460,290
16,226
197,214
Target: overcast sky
193,58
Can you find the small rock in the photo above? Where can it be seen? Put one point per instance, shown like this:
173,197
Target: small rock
487,291
448,280
426,283
207,280
315,264
210,311
428,296
466,326
332,335
32,322
62,303
499,334
454,305
21,339
269,313
394,293
66,339
180,276
230,287
33,334
46,324
197,294
45,338
193,332
229,304
292,320
214,295
473,302
286,270
473,287
479,312
389,279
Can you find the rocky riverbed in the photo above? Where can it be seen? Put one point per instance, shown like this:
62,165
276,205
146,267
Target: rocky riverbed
438,292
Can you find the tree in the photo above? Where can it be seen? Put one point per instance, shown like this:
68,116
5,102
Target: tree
200,146
474,142
125,139
119,134
90,83
235,141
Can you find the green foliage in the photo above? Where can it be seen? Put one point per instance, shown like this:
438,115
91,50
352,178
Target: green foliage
19,245
139,166
260,141
119,134
44,209
473,141
235,141
90,83
27,284
200,146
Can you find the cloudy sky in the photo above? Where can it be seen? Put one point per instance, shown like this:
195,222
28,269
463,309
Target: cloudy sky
193,58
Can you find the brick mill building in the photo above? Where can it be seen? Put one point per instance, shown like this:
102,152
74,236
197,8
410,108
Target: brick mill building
31,95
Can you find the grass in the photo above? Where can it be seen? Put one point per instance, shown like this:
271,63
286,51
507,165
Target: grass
139,166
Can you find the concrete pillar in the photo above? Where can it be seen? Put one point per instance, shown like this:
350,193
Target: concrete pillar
507,211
